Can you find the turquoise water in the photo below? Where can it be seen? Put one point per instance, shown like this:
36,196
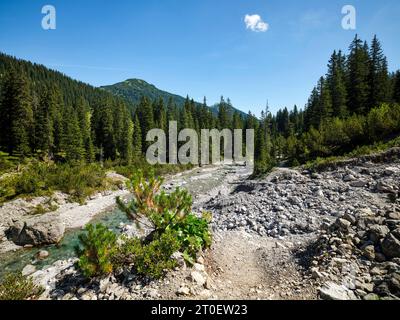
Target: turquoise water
16,261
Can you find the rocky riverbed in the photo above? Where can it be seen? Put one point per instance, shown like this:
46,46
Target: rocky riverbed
295,234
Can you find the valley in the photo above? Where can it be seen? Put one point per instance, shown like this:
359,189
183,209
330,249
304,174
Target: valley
295,235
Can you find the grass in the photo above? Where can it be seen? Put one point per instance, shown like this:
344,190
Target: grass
34,178
17,287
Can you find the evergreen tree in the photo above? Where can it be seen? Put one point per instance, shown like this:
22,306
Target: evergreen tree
71,143
358,77
146,118
223,115
43,134
137,139
378,76
337,85
396,87
17,121
104,128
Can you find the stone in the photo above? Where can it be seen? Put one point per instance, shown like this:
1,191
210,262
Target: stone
198,278
332,291
391,246
378,232
152,294
369,252
178,257
199,267
391,171
343,224
359,184
183,291
37,231
28,270
350,218
42,254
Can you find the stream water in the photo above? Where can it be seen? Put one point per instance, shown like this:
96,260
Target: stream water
200,183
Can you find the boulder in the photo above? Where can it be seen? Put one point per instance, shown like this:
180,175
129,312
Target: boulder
391,245
28,270
37,231
377,232
332,291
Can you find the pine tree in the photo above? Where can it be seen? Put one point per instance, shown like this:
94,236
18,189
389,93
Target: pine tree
396,88
104,130
337,85
17,121
43,134
84,116
378,75
146,118
358,72
71,143
223,115
137,139
325,100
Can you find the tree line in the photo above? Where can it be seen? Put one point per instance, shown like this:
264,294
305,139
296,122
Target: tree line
43,113
355,103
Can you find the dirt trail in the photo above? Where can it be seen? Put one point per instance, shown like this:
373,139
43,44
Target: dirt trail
248,266
244,266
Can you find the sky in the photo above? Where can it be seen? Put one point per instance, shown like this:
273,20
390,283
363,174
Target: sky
251,51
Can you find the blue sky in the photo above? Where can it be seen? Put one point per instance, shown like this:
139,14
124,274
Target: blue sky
198,47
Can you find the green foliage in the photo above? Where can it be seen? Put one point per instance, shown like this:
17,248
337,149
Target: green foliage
167,212
193,233
42,178
17,287
96,250
149,259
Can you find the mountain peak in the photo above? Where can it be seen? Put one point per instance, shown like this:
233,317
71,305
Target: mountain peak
134,89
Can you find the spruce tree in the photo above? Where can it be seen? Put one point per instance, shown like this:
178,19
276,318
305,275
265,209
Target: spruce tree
43,134
84,114
396,88
71,143
17,121
336,83
358,80
146,118
378,75
137,139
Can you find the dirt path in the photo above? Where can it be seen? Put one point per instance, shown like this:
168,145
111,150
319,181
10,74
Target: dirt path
244,266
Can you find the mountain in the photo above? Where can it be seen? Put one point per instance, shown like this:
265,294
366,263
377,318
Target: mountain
133,89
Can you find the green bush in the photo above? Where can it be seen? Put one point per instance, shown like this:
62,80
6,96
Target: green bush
152,259
17,287
42,178
168,212
99,245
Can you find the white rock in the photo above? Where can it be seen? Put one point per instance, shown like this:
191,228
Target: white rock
332,291
198,278
28,270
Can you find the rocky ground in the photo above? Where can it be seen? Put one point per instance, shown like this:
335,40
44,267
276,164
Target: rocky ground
296,234
21,225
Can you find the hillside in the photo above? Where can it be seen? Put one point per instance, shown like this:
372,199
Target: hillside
133,89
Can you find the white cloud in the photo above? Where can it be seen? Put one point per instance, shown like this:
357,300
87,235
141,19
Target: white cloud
255,23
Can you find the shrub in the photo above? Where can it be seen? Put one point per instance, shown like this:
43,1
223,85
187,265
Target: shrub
42,178
194,234
152,259
168,212
99,245
17,287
